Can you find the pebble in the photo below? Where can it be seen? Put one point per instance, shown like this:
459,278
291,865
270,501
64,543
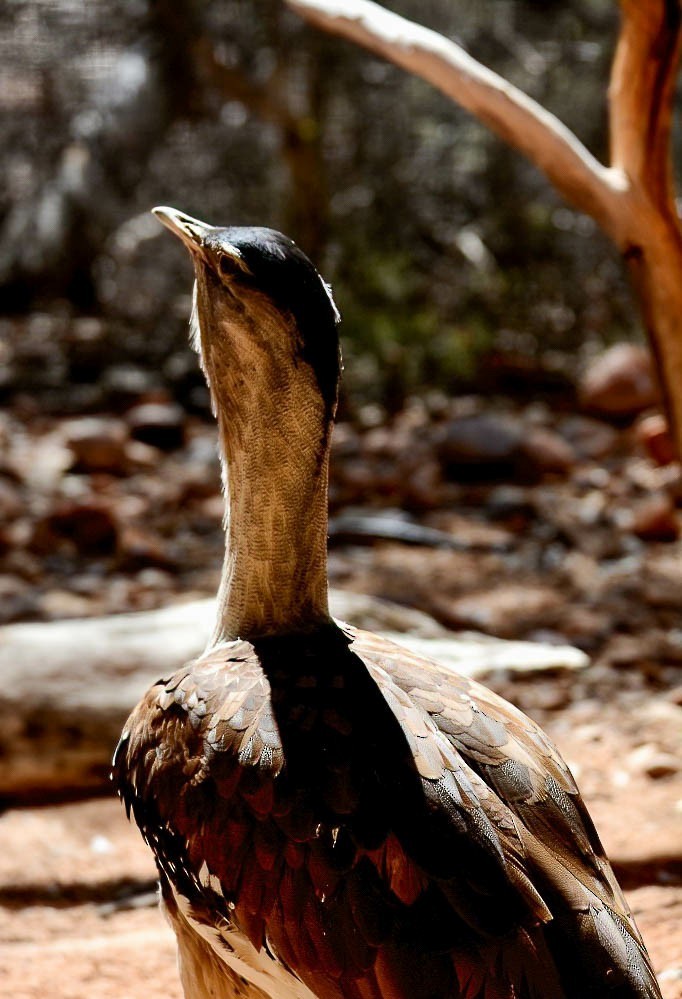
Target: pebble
57,604
97,445
648,759
507,610
11,505
653,435
17,599
90,526
141,457
590,438
548,452
138,549
655,518
620,382
480,446
660,580
161,424
123,384
507,502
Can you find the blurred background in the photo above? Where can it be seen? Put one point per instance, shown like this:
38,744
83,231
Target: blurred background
500,461
451,257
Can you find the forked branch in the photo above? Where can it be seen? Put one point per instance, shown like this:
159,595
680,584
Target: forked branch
513,115
633,199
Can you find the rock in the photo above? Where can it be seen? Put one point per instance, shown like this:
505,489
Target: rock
650,760
88,525
654,518
124,384
161,424
647,478
374,614
590,438
659,581
548,452
212,508
653,435
139,549
422,489
470,534
479,655
364,526
359,479
632,650
480,447
585,627
582,572
141,457
506,611
487,447
621,382
17,599
11,505
42,464
511,504
97,445
57,605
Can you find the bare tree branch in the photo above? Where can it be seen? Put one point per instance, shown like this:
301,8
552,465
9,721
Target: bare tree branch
633,200
511,114
641,97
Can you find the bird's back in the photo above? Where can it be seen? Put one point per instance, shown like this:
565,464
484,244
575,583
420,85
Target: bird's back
334,816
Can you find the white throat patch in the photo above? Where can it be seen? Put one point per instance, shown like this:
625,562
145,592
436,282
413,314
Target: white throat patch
194,332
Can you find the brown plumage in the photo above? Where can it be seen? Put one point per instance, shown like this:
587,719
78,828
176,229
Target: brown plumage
332,815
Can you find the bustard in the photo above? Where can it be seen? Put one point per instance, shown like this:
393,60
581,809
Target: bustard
331,815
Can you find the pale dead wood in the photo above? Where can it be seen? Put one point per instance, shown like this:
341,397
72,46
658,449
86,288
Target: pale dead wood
68,687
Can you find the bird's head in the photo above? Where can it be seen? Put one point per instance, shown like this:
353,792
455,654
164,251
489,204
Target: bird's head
263,316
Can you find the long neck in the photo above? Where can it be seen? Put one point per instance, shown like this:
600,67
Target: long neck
275,472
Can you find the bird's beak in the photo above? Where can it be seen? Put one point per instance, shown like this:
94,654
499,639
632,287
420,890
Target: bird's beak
191,231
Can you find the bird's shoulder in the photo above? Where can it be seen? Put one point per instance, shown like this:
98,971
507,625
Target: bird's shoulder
213,711
524,786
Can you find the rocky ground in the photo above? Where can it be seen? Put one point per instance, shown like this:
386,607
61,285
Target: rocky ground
520,521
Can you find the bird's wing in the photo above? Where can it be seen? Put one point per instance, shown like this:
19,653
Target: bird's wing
340,902
359,821
529,783
186,753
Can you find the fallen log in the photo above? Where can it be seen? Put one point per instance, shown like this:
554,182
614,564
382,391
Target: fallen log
68,686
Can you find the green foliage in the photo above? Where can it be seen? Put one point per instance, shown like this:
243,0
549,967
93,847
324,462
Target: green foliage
395,341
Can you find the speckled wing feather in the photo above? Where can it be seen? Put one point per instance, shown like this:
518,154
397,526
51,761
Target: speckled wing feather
525,771
358,822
